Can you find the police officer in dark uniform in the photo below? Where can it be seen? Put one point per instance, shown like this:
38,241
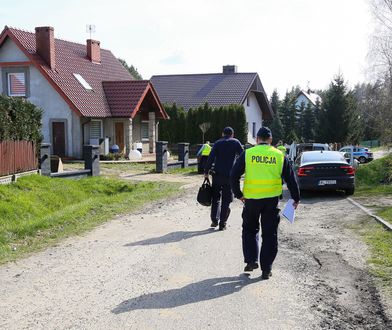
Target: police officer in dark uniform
264,167
223,156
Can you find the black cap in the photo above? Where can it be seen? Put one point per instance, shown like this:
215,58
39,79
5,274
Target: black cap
264,133
228,131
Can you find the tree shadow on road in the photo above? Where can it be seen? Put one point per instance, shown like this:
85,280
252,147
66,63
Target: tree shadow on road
189,294
172,237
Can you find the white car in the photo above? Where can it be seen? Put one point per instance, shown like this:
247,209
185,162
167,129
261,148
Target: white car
297,149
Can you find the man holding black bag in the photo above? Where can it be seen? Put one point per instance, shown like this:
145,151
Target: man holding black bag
223,156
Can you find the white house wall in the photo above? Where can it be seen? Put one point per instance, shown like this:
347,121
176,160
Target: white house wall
54,108
301,98
43,95
9,52
253,115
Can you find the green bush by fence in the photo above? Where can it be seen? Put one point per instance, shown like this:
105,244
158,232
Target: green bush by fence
19,120
184,126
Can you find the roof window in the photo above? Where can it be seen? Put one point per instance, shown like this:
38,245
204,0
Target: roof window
82,81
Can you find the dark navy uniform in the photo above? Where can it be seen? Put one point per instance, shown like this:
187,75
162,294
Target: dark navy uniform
270,166
223,156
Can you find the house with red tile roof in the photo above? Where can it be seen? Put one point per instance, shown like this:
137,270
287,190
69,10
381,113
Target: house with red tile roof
85,93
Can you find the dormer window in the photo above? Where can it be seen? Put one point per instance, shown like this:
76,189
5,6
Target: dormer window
16,84
82,81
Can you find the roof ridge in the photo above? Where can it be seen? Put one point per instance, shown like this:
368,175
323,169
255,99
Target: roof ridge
60,39
125,81
202,74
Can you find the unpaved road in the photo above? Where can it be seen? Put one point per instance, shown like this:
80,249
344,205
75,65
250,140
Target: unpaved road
163,268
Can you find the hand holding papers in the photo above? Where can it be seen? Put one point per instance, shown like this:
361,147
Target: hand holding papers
289,211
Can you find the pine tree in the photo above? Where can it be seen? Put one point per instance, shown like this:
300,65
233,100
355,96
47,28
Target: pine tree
276,123
308,123
131,69
299,124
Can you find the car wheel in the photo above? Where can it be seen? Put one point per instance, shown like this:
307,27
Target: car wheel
362,160
349,192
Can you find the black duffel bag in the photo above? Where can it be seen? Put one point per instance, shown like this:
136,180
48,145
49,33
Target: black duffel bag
204,196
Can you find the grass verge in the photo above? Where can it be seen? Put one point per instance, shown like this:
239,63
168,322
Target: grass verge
379,241
374,180
375,177
38,211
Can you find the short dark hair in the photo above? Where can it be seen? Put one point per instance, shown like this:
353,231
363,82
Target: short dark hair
228,131
264,133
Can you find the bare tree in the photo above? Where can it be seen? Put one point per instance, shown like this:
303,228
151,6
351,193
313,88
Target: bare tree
380,60
204,128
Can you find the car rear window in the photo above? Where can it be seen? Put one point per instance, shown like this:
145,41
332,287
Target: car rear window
322,156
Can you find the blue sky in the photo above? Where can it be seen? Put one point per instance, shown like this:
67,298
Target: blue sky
288,42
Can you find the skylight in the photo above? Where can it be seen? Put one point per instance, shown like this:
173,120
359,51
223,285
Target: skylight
83,82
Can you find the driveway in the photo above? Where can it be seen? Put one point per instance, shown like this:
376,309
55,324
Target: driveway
163,268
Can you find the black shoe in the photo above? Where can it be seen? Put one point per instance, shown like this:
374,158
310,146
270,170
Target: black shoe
265,275
214,224
251,266
222,226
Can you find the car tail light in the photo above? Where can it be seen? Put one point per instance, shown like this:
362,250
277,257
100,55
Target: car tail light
349,170
304,171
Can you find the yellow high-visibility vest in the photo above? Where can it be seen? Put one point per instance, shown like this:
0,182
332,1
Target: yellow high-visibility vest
206,150
263,172
282,149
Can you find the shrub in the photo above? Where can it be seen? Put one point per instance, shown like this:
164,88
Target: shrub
19,120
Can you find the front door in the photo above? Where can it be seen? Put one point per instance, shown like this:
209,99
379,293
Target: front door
58,136
119,131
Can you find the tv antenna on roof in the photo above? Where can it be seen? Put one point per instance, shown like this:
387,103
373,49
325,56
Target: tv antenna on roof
90,28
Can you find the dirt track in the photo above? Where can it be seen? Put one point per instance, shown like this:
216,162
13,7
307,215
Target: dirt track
163,268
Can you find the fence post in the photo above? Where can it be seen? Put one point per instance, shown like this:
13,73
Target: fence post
161,156
183,154
45,159
91,159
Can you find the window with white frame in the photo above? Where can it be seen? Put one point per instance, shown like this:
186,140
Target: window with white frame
96,129
16,83
144,130
247,101
253,129
83,81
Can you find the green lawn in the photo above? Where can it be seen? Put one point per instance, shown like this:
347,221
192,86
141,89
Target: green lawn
379,241
374,180
38,211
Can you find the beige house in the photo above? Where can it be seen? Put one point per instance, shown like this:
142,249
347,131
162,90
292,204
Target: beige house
86,95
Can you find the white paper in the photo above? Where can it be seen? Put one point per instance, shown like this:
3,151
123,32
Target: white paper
289,211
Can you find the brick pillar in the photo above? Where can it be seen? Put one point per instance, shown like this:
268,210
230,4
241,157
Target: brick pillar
183,154
45,159
128,136
161,156
151,132
91,159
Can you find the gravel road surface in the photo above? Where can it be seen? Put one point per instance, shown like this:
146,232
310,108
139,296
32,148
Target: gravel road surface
163,268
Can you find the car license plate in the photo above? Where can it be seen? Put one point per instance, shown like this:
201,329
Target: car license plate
326,182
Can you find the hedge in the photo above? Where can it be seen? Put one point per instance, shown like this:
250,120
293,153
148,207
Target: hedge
184,126
19,120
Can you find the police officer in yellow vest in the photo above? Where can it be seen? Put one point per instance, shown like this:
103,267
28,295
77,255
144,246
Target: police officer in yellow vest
282,149
203,154
264,167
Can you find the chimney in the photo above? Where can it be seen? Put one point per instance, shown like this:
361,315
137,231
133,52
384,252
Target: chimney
94,51
229,69
45,45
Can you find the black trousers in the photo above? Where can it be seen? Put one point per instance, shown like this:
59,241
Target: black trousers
201,164
265,211
222,196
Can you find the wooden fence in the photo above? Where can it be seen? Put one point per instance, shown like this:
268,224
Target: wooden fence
17,156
